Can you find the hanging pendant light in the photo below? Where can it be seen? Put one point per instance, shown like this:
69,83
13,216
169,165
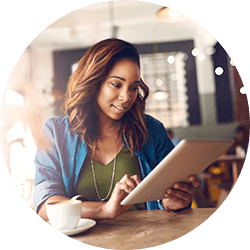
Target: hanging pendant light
168,15
160,95
114,28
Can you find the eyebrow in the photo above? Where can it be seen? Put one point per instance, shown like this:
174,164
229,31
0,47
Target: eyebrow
123,79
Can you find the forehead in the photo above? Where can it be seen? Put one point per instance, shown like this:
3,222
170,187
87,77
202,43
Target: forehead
125,66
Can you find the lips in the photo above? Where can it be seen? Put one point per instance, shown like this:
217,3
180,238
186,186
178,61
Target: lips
119,108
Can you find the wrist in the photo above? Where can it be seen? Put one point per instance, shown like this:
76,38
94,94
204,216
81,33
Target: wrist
105,210
94,210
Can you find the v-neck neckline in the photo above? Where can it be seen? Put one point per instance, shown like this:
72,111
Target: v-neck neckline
110,161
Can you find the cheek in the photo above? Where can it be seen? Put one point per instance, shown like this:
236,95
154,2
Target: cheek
104,95
134,96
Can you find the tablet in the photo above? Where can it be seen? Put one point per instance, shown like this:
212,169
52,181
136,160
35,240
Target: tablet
189,157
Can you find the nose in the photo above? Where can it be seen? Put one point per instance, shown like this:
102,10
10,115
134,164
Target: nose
124,95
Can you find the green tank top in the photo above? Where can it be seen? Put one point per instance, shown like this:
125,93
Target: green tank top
125,164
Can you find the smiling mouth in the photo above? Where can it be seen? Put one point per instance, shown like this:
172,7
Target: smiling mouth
119,108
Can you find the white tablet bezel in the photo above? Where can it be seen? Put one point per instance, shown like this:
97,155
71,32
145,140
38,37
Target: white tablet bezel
189,157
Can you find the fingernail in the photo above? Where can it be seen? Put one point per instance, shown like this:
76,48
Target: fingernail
169,191
176,186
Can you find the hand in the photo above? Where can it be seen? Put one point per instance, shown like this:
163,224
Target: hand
181,194
121,190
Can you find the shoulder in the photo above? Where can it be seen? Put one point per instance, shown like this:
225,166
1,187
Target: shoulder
58,127
158,137
153,121
58,122
154,125
158,144
59,131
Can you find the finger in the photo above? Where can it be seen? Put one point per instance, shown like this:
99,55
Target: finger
174,203
195,181
188,188
136,179
128,181
122,186
174,193
123,179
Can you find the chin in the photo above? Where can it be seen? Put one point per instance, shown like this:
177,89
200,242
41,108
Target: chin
117,118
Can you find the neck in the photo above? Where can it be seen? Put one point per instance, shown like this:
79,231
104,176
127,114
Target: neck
111,129
108,128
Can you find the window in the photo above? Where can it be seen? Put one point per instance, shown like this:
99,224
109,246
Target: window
164,73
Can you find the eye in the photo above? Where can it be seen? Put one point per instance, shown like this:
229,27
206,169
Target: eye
135,88
116,85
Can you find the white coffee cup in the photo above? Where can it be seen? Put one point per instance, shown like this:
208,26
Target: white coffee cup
64,215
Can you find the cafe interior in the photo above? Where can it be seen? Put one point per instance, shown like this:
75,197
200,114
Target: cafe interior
195,88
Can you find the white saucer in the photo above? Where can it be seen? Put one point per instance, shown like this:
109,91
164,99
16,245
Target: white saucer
83,225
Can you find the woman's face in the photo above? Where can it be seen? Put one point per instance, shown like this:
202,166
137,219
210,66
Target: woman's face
119,91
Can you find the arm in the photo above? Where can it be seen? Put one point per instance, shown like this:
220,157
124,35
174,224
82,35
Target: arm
93,210
101,210
48,177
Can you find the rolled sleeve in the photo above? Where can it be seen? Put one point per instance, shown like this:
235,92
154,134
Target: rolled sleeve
43,191
48,178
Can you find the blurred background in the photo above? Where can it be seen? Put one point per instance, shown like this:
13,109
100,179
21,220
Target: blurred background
195,88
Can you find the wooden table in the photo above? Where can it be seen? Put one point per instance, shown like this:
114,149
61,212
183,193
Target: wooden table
143,229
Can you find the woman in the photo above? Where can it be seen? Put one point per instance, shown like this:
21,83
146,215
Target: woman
106,144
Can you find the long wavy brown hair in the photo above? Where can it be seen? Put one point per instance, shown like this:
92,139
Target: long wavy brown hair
85,82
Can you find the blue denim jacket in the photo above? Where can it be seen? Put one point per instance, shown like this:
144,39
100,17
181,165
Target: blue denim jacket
58,164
